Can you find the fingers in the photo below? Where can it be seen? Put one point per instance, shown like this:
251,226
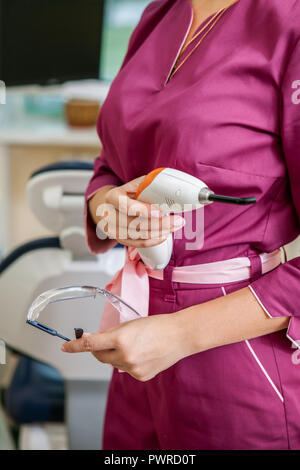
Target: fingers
111,348
90,343
119,198
114,217
119,226
141,243
156,226
134,223
100,345
123,198
132,186
126,205
108,357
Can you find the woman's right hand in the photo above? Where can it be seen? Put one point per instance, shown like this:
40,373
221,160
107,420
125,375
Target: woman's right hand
120,216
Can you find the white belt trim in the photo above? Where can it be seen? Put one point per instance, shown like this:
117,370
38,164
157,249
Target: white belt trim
220,272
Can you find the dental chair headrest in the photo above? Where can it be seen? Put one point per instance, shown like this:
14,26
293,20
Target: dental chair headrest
85,166
56,197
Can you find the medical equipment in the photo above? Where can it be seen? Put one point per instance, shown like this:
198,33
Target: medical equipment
71,293
175,192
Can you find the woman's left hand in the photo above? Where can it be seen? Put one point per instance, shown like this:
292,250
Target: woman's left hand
147,346
142,347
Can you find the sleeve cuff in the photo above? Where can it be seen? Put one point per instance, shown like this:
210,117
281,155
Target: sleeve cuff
95,244
99,182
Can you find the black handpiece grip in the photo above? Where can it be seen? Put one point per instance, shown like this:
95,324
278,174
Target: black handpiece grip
78,333
241,201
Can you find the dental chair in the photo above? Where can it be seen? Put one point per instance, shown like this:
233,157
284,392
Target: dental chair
56,197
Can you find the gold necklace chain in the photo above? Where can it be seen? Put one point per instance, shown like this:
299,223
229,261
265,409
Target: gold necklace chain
216,18
201,31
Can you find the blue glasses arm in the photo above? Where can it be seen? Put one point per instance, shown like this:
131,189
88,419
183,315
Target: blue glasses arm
46,329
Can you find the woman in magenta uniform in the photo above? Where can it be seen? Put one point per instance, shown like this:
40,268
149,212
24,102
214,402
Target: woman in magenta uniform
211,88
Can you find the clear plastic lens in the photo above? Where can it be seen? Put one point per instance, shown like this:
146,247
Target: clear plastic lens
73,293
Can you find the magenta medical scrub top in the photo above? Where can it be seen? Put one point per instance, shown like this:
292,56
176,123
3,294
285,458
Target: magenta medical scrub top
231,117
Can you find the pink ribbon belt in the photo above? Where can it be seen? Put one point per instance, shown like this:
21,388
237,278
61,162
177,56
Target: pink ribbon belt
131,283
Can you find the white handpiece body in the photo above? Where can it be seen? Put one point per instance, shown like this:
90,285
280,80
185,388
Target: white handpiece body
175,192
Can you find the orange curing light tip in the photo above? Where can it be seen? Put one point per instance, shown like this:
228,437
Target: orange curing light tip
148,180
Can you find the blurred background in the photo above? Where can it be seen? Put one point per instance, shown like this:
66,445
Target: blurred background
57,59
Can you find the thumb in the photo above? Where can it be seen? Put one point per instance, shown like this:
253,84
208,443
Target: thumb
91,343
132,186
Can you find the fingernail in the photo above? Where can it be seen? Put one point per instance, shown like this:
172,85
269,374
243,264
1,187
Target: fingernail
63,348
178,221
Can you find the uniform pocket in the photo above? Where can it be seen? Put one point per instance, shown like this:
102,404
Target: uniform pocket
259,363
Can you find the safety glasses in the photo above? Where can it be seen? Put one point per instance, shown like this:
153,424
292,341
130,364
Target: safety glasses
71,293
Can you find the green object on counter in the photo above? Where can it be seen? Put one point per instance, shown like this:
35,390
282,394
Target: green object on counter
44,105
